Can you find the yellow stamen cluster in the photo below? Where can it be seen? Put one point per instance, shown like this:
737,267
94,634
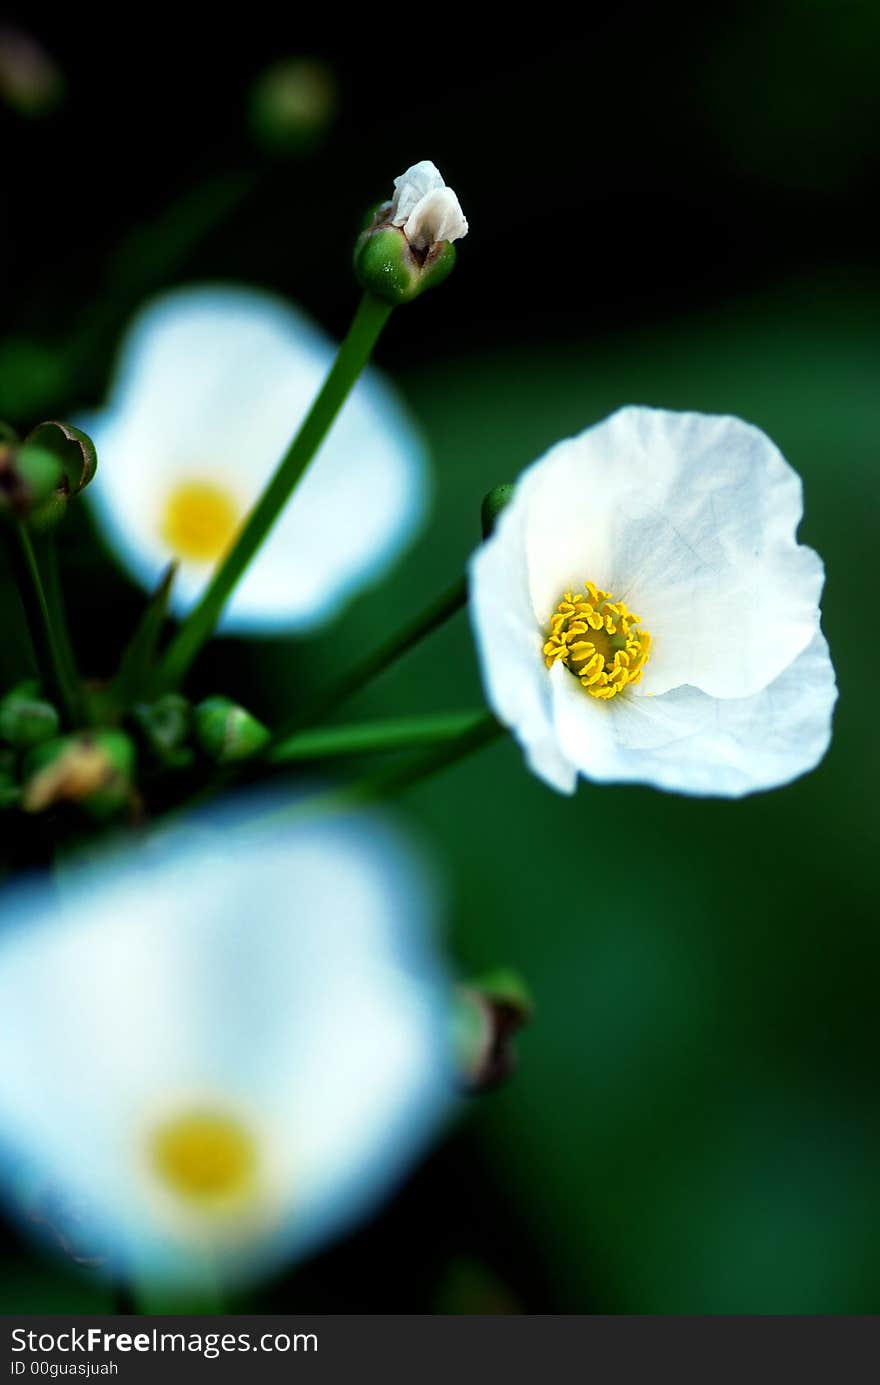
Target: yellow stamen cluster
598,639
200,521
205,1157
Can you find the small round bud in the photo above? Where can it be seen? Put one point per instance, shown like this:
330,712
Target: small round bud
31,82
493,503
488,1014
165,726
226,732
39,476
407,246
292,104
93,770
26,719
29,482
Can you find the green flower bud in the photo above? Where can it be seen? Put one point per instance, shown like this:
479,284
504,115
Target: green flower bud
26,719
29,481
31,82
292,105
493,503
94,770
386,263
488,1014
165,726
39,476
226,732
407,247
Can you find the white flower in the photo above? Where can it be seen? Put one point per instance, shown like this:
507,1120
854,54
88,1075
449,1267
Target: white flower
212,385
425,208
645,613
229,1047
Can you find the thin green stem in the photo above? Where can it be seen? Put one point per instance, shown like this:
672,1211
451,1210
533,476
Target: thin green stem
397,733
50,662
353,355
356,676
388,783
58,617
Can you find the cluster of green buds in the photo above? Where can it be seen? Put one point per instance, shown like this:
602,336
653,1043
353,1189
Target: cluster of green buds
41,769
176,733
407,245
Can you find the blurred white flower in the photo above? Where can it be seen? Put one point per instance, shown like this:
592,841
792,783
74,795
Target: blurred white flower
211,386
644,611
228,1047
425,208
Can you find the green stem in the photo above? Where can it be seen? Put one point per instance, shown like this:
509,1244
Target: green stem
50,662
58,617
435,614
387,783
353,354
398,733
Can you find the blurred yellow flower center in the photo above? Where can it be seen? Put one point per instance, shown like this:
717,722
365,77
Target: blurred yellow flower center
205,1157
199,521
598,639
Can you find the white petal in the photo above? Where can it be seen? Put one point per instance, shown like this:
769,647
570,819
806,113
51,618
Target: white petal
691,519
509,643
438,216
692,743
212,385
411,187
285,974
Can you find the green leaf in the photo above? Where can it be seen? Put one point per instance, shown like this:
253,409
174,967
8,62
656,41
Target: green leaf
136,666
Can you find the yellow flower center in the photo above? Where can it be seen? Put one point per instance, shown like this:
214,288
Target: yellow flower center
199,521
599,640
205,1157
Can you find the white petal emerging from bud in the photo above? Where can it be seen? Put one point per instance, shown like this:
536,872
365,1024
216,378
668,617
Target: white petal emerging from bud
425,208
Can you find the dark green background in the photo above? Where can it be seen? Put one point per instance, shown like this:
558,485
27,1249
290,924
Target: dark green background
669,208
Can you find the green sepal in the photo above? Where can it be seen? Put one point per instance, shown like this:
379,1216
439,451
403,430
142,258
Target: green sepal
493,503
387,265
226,732
73,448
39,476
26,719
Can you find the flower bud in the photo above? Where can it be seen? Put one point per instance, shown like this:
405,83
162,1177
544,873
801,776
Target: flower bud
93,770
226,732
39,476
493,503
26,719
407,246
165,726
29,480
488,1014
292,104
